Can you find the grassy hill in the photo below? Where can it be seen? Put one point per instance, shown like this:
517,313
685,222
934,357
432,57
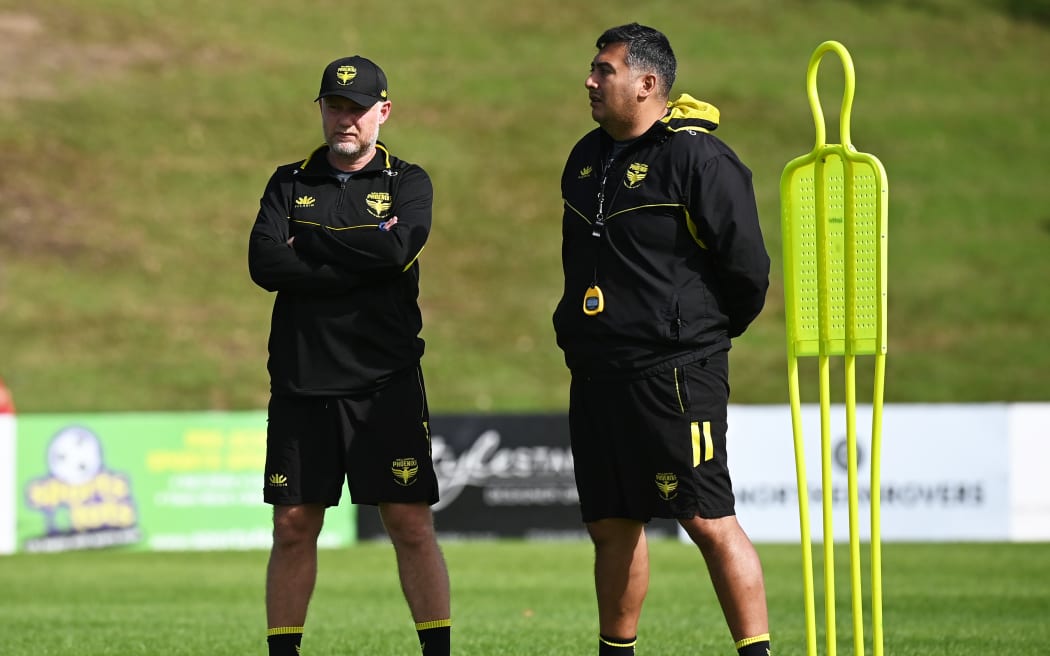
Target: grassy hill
136,137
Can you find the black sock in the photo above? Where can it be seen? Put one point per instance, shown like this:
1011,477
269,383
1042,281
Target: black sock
435,637
756,646
608,646
284,640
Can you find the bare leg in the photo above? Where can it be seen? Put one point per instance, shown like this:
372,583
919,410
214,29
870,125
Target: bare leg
420,564
736,573
292,570
621,574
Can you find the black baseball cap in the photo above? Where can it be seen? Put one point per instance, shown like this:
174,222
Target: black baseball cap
356,78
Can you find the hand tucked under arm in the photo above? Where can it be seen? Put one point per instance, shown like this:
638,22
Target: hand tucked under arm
276,267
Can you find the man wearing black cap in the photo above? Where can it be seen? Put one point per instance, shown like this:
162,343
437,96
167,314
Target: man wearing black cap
338,236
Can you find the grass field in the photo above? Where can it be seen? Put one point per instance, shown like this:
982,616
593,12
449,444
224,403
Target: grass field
509,599
136,137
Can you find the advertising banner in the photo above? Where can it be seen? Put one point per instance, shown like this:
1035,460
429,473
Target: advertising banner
7,470
1029,455
945,475
945,472
183,481
7,476
503,476
179,481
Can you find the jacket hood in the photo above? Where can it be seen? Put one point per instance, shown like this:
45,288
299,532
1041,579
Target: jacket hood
686,112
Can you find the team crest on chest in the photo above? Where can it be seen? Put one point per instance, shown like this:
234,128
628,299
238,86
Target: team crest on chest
378,203
636,172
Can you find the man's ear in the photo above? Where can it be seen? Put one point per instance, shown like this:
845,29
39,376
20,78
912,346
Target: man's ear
384,112
648,85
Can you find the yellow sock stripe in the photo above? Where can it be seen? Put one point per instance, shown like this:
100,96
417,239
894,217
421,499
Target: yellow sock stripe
284,630
750,641
618,644
433,624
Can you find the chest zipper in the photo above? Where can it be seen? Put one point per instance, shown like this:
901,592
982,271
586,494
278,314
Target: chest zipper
343,185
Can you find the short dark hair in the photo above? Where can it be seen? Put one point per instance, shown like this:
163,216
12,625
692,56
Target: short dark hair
648,50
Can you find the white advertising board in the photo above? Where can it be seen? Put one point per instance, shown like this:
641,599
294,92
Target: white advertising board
1029,430
945,472
7,483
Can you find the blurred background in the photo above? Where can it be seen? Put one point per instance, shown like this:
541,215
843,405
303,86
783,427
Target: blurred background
137,137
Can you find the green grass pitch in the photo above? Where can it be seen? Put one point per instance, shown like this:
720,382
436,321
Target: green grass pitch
510,598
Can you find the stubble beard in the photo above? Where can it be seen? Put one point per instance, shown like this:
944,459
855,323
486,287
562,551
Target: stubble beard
352,150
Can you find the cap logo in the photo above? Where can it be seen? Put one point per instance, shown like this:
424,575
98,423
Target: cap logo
346,74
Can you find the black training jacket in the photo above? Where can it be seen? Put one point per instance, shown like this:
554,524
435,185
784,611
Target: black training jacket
346,315
677,251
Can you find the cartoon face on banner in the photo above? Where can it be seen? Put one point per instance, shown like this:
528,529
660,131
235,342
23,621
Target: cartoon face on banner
74,455
84,504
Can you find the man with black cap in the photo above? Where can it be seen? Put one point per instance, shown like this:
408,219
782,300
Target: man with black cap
338,237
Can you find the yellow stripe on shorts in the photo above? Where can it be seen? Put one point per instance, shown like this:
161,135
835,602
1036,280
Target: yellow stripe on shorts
705,451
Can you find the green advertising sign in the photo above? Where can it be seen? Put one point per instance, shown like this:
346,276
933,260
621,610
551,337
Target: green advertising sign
159,481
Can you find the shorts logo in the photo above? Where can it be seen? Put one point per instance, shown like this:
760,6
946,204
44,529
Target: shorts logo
305,201
636,172
378,203
405,471
277,480
667,484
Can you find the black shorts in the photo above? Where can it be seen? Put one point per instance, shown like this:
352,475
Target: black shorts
653,447
378,442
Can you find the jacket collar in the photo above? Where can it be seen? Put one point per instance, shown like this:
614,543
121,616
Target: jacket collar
317,162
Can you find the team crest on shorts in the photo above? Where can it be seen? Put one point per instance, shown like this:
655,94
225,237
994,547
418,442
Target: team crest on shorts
667,484
405,471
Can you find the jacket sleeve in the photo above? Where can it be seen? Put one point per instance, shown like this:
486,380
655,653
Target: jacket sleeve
274,265
371,251
723,198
